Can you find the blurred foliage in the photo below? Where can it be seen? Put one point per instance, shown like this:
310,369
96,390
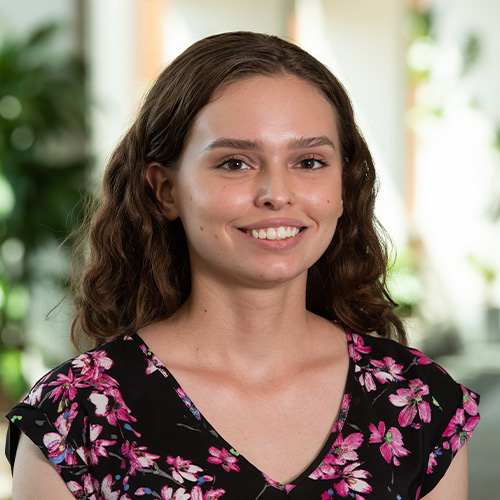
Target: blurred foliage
404,284
43,164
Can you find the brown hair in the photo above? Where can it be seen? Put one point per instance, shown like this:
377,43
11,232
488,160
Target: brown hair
136,268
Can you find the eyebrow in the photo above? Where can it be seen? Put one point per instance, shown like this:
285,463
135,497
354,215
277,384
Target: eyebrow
298,143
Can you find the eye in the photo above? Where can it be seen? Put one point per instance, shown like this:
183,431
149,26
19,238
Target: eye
311,164
233,165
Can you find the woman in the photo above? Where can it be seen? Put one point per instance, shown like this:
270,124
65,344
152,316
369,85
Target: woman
233,257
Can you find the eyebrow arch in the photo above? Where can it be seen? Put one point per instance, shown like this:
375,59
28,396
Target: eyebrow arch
298,143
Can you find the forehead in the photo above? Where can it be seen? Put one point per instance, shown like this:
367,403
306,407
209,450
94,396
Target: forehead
267,108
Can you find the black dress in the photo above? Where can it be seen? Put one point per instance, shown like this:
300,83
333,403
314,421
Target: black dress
117,425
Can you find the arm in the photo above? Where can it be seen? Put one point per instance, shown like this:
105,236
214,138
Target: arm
34,476
454,484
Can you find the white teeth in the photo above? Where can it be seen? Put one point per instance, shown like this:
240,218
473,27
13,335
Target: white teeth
278,233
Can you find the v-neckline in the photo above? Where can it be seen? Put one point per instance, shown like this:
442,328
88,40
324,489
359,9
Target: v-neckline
199,417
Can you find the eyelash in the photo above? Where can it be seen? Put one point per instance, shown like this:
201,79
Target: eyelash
223,164
322,163
233,159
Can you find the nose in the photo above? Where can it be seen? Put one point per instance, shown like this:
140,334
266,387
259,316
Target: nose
274,188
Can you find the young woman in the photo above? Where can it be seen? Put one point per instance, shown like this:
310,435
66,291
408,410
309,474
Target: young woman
235,293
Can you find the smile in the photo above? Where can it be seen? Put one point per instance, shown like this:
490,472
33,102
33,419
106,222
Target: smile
274,233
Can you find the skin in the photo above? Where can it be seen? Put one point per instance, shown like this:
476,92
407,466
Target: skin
265,152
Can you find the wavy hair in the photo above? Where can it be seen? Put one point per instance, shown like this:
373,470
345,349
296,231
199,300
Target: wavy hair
135,267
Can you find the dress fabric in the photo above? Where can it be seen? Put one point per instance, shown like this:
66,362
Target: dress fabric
117,425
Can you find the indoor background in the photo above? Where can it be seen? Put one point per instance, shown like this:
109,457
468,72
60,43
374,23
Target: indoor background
424,77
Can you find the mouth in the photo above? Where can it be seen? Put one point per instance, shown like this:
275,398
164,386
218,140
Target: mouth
274,233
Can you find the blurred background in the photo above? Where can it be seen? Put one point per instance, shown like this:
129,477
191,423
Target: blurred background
424,76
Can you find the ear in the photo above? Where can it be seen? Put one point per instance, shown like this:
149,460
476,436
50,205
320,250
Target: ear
161,180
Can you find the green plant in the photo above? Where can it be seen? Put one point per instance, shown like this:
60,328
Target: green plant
43,165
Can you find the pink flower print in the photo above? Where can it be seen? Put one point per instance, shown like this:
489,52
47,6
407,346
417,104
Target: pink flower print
137,456
459,429
387,370
34,396
223,457
279,486
65,419
188,403
59,449
88,490
366,380
352,479
107,489
183,469
93,364
432,459
340,453
197,494
392,442
422,359
412,401
346,401
470,404
97,446
66,388
112,406
168,493
342,450
357,346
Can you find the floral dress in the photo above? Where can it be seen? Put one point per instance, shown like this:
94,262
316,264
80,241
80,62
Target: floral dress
116,425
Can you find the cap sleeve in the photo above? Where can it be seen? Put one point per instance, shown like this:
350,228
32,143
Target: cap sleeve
53,418
457,431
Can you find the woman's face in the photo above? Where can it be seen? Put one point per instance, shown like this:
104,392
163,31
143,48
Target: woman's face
258,188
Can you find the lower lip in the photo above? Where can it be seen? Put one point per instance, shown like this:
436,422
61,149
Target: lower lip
283,244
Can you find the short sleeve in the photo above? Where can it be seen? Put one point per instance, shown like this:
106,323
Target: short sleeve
456,432
53,418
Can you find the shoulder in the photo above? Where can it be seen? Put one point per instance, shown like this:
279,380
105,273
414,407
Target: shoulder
401,362
409,377
101,368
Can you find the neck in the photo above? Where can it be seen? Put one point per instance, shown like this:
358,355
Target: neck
247,326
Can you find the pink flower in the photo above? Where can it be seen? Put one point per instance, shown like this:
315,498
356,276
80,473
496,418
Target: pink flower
65,419
93,364
223,457
197,494
392,446
340,453
112,406
137,456
107,489
432,460
357,346
34,396
168,493
183,469
469,401
352,479
342,450
66,387
88,490
279,486
412,401
366,380
459,429
387,370
422,359
59,449
97,446
346,401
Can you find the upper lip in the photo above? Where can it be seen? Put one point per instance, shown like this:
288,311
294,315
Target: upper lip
264,224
